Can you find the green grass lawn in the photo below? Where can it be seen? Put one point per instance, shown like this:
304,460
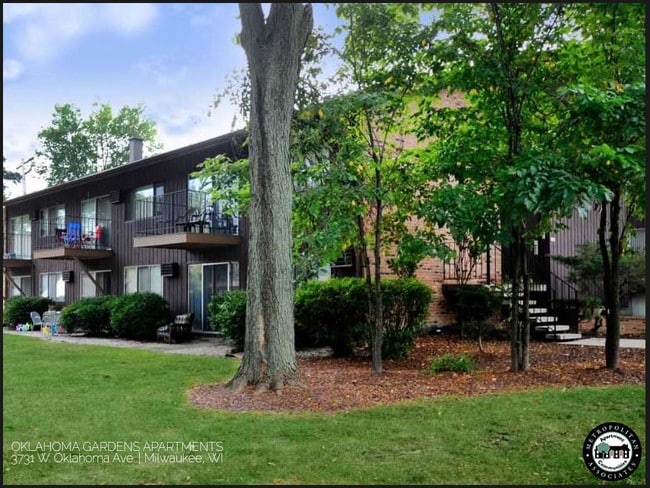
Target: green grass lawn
57,392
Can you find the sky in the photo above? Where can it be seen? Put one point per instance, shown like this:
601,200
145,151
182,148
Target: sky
171,57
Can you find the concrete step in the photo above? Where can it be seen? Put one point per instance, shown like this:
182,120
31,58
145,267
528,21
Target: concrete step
521,302
538,311
533,287
545,318
563,336
552,328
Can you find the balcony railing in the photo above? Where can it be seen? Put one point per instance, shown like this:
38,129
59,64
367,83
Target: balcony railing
74,233
186,211
462,267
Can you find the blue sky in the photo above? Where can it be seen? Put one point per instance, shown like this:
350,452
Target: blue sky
171,57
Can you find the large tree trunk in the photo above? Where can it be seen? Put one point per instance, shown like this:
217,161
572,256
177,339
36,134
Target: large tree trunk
274,48
611,276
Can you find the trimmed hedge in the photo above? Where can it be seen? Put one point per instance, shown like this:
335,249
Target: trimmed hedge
331,313
228,314
405,309
17,309
138,315
89,315
334,313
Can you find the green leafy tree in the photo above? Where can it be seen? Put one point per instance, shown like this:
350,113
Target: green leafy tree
605,127
379,60
72,147
499,140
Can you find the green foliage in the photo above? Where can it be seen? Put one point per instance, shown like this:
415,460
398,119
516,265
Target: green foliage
72,147
138,315
17,309
89,315
228,314
586,270
450,362
335,313
405,308
476,303
331,313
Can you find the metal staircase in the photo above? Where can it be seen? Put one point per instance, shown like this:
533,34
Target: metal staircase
551,318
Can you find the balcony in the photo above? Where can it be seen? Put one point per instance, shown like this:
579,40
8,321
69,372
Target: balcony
183,220
79,238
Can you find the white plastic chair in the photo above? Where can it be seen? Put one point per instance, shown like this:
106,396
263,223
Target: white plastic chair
36,320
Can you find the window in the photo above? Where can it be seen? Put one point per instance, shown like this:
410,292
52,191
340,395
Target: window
52,218
19,238
25,284
89,289
52,286
142,278
146,207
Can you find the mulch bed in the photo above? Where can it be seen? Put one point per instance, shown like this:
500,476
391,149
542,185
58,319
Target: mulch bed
335,384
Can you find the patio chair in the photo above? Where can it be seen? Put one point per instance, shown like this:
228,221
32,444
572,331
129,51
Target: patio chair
36,320
179,330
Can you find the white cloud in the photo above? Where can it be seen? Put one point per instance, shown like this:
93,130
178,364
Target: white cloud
44,30
129,17
162,74
204,14
11,69
13,11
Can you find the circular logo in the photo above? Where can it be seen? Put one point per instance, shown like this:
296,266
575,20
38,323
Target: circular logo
612,451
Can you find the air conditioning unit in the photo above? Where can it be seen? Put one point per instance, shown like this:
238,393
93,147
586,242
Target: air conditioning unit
170,270
115,197
68,276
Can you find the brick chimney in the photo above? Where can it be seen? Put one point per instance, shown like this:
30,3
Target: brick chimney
135,149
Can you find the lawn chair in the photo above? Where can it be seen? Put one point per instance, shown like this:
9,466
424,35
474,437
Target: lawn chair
179,330
36,320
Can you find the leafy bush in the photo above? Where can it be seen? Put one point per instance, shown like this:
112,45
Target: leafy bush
476,303
228,313
17,309
89,315
138,315
331,313
405,308
450,362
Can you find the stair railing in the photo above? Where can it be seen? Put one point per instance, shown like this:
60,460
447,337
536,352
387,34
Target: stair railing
564,302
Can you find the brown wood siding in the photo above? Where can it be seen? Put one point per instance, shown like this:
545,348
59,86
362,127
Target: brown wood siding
173,174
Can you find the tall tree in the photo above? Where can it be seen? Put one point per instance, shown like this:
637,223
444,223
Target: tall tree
380,65
502,58
606,127
273,47
72,147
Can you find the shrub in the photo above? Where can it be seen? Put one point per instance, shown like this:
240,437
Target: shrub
138,315
331,313
450,362
17,309
89,315
405,308
472,306
228,313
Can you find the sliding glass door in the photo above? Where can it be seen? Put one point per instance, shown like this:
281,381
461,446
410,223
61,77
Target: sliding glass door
205,281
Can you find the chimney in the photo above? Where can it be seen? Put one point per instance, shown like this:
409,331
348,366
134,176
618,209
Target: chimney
135,149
